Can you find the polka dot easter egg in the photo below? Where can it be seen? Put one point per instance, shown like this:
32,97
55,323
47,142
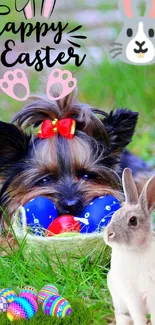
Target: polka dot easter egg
47,291
22,308
8,294
28,292
98,213
40,212
57,306
3,305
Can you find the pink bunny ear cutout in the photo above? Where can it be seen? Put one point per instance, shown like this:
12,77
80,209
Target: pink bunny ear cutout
29,11
62,83
127,8
47,7
152,11
27,6
13,78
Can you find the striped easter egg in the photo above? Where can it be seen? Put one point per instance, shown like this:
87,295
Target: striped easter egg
47,291
22,308
57,306
28,292
8,294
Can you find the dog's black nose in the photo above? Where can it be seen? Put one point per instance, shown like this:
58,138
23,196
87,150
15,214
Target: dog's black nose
72,206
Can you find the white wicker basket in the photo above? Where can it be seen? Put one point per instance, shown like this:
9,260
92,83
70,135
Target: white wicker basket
76,245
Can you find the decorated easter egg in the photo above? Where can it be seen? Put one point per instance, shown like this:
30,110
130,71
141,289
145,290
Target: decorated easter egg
57,306
98,213
28,292
22,308
31,289
47,291
3,305
8,294
40,212
63,224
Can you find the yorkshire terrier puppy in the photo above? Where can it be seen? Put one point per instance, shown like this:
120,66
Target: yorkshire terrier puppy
69,171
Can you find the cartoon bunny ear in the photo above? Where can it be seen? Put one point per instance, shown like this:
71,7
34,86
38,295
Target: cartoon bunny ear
150,10
128,8
27,6
147,197
47,8
21,4
129,187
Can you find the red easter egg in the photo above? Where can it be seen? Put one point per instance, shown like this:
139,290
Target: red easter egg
65,223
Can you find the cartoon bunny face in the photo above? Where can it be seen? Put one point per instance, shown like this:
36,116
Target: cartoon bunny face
136,42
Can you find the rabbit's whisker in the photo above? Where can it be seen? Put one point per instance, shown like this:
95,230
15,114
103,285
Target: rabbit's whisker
115,49
117,54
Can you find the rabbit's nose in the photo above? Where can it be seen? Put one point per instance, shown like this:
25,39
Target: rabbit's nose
111,235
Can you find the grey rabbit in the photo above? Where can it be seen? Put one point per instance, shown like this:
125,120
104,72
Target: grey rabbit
131,279
136,42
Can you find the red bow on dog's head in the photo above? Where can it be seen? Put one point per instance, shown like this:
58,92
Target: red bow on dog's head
65,127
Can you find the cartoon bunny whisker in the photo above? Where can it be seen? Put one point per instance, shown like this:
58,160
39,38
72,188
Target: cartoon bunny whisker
117,54
115,49
119,44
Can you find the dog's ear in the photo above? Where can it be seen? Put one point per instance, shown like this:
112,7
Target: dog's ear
120,127
13,144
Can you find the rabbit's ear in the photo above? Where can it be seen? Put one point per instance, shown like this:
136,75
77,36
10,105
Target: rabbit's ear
147,197
129,187
128,8
150,10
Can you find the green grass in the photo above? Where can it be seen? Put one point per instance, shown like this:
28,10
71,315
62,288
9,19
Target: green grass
80,279
110,86
107,6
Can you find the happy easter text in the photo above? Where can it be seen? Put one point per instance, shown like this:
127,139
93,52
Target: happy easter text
43,55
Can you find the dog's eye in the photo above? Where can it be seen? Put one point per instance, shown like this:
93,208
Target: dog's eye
46,180
151,32
133,221
87,176
129,32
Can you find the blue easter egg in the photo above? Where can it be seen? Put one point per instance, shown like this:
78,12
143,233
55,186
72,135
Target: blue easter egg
40,213
98,213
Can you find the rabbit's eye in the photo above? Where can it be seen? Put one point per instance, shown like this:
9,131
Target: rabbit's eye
133,221
151,32
129,32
